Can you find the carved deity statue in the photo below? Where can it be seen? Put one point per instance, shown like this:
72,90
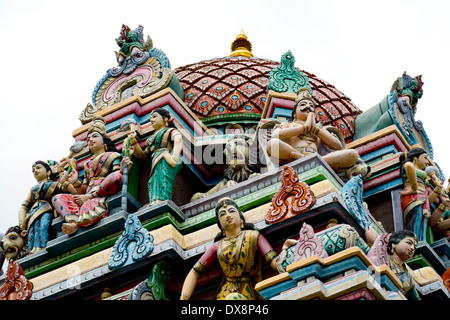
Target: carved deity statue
415,199
164,149
393,250
36,212
301,136
238,249
87,202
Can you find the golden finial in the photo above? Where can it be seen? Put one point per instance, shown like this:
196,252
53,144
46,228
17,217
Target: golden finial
241,46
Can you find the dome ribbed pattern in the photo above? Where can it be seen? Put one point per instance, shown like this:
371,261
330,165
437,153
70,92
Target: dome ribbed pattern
227,85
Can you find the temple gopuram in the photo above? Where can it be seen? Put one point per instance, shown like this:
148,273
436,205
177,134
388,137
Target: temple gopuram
233,178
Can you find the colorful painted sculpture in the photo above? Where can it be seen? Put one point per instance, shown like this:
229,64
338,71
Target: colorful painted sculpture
164,148
86,204
15,246
242,164
36,212
414,197
238,249
301,136
294,198
393,250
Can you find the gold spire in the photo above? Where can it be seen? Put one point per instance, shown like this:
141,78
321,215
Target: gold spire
241,46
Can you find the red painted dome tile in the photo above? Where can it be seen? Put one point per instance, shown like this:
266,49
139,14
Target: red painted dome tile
319,97
234,80
341,107
219,91
191,95
234,100
219,73
204,105
261,81
248,73
322,116
191,78
250,89
342,126
204,83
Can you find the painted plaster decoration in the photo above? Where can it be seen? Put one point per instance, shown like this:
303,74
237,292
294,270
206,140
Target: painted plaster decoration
15,246
415,200
328,242
302,135
152,288
164,148
285,77
293,198
134,244
440,200
393,250
352,193
308,244
399,107
36,212
141,71
235,87
87,201
241,156
238,248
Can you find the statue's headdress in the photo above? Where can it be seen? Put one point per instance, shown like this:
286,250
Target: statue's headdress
98,124
303,93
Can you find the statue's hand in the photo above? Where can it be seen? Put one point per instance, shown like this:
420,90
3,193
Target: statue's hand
171,160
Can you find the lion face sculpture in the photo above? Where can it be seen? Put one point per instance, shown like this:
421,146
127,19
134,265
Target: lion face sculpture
15,243
240,158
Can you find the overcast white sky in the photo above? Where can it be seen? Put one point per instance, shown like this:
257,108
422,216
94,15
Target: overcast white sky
54,53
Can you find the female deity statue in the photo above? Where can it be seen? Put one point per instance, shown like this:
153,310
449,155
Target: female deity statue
393,250
164,148
238,248
36,212
86,203
415,200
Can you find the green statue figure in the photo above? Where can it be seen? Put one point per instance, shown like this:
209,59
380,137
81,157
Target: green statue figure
164,148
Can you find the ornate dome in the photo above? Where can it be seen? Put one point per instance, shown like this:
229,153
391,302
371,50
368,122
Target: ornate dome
238,84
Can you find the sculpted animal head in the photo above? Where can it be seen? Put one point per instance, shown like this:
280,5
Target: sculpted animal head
15,243
408,86
361,168
242,158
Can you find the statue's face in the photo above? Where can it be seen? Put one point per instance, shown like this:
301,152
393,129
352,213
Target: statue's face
304,107
405,248
39,172
236,152
422,161
157,121
11,245
95,142
229,217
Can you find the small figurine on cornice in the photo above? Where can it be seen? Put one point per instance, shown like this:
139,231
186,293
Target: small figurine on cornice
415,200
301,136
86,203
163,149
36,212
393,249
